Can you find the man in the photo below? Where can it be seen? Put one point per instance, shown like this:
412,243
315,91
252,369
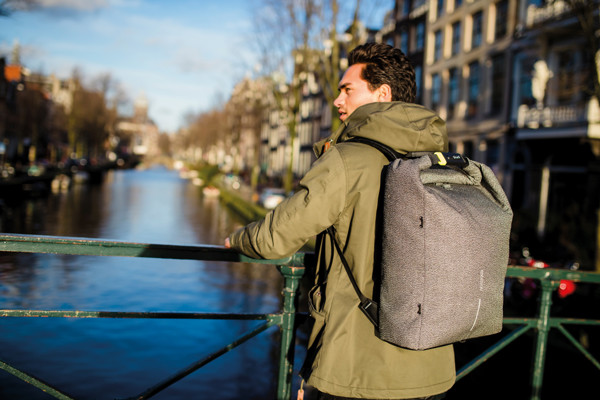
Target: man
345,358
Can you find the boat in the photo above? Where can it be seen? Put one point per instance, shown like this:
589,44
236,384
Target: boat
211,191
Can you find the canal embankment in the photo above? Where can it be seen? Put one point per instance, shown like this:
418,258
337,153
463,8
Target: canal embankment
35,180
242,202
237,196
245,209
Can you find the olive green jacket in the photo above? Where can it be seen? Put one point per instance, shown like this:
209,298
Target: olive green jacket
345,357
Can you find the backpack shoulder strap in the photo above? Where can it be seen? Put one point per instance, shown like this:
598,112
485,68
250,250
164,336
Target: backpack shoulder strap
387,151
436,157
367,306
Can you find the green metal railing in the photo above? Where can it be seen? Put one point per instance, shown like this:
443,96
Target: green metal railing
549,281
292,269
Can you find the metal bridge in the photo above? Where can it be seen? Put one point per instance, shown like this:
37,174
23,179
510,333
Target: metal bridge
292,269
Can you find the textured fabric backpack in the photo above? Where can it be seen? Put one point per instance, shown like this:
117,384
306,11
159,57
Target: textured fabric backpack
444,250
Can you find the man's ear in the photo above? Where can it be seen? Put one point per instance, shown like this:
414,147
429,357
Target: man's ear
384,93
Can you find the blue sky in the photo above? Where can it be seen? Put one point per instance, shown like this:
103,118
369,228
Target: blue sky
182,55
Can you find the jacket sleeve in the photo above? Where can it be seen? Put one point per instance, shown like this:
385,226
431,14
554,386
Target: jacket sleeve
312,209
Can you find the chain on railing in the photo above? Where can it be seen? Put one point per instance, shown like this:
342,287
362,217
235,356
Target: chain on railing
292,269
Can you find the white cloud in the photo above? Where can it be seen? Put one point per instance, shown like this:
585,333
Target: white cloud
179,54
76,5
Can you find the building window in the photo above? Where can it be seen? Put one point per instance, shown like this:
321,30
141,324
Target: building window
468,149
477,29
567,85
525,94
492,156
456,38
498,88
437,50
420,43
501,18
406,7
419,80
457,3
453,92
440,8
404,42
537,3
436,91
474,71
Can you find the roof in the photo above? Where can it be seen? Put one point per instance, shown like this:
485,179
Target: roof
12,73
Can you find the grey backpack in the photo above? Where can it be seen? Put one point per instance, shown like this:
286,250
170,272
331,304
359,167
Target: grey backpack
444,251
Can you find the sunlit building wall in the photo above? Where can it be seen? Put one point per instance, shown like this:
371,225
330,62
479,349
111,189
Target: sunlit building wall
141,129
555,154
466,79
513,80
245,112
309,127
274,143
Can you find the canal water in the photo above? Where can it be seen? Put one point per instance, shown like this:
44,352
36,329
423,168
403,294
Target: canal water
119,358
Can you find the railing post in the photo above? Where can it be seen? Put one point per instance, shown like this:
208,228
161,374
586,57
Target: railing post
292,277
543,327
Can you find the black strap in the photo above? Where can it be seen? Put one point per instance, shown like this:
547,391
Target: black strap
367,306
437,158
387,151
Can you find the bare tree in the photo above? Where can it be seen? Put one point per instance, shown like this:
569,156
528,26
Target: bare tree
205,130
245,110
298,38
331,64
30,123
57,128
286,31
164,144
93,115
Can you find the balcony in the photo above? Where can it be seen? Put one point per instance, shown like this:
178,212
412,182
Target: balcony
420,8
559,121
538,15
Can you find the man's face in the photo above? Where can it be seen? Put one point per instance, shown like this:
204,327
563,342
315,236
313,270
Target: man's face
354,92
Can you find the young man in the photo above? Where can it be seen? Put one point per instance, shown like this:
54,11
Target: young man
345,358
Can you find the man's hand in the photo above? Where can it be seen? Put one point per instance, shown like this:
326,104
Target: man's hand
227,243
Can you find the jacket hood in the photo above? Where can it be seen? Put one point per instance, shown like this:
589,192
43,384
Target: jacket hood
405,127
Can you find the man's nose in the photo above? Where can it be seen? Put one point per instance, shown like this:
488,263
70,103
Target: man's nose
338,101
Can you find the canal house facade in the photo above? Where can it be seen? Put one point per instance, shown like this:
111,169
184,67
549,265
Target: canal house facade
512,78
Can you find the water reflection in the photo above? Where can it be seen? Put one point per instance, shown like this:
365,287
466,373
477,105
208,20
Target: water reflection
119,358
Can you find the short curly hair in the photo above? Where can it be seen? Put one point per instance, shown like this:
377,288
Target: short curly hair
385,64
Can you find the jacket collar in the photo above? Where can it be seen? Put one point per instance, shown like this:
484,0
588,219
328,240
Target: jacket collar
405,127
